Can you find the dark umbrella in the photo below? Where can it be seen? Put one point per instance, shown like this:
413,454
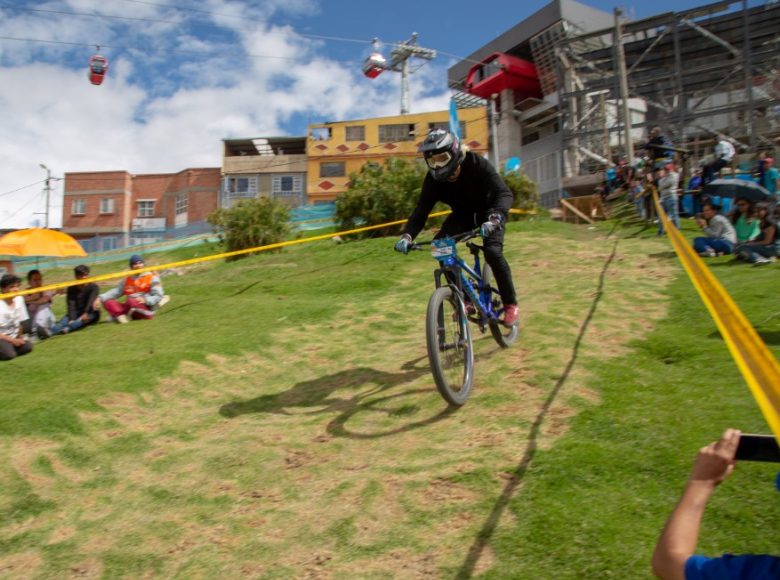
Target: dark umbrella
735,188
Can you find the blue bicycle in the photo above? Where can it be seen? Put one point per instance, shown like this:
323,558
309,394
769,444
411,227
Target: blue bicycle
450,350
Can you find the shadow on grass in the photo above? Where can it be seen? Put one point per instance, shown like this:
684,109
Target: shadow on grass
732,262
770,336
488,528
320,395
663,255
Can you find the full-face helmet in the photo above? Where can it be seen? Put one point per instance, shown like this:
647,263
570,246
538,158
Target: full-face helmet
443,154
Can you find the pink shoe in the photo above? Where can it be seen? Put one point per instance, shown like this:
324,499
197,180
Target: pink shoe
511,315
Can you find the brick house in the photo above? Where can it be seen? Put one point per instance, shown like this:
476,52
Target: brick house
110,203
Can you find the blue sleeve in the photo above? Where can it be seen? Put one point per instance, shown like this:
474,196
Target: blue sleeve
729,567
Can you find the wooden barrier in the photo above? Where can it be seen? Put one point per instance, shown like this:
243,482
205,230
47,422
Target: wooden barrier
585,207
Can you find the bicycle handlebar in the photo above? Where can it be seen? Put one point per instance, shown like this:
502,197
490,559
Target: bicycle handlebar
457,237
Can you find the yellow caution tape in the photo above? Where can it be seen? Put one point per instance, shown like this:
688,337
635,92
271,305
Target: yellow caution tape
215,257
756,362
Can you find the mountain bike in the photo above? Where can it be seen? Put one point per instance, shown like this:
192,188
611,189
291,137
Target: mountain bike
448,336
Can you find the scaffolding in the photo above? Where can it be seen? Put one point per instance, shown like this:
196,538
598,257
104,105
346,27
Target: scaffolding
706,72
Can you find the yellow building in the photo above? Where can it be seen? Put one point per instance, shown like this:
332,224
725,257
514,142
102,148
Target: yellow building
334,150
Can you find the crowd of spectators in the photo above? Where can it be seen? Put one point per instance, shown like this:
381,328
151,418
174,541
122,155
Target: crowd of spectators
27,319
748,230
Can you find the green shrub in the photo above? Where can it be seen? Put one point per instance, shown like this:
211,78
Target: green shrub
524,190
251,223
379,194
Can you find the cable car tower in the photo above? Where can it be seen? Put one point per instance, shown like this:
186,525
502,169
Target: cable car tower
399,62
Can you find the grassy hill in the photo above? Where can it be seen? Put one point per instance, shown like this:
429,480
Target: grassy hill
278,420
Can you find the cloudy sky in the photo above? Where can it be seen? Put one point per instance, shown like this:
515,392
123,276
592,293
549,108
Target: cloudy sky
183,75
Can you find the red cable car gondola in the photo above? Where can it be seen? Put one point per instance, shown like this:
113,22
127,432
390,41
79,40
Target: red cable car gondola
374,65
98,67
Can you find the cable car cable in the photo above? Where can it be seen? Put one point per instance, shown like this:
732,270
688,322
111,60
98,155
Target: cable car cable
180,51
180,23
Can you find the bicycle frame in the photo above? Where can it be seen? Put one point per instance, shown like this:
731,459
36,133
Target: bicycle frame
468,279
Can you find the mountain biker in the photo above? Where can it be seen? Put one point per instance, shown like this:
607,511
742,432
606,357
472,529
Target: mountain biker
471,187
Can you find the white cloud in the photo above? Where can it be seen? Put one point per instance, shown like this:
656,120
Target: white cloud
166,111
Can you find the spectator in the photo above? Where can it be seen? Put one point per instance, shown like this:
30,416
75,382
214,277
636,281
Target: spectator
724,153
635,195
770,179
695,181
611,179
12,313
692,189
144,292
668,180
744,221
80,300
674,557
658,148
763,247
38,306
760,167
720,234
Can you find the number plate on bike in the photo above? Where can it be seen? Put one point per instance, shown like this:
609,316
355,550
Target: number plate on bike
443,248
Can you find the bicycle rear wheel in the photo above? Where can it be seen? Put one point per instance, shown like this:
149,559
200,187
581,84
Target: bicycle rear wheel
504,336
449,346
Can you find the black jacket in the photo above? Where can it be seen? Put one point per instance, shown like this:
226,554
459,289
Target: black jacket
80,299
478,192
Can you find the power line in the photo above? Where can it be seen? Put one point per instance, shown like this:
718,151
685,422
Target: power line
21,188
32,199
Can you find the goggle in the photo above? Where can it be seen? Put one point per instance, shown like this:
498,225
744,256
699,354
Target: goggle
438,160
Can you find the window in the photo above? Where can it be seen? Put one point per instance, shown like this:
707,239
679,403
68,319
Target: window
79,207
530,138
242,186
107,205
286,186
391,133
182,201
146,208
333,169
446,126
355,133
322,134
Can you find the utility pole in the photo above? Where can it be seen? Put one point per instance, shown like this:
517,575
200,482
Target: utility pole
48,191
623,78
399,62
494,128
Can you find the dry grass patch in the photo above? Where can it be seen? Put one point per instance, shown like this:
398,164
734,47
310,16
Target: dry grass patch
329,454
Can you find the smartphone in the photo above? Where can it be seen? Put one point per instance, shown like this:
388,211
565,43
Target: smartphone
758,448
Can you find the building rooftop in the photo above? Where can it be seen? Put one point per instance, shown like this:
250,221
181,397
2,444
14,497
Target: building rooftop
265,146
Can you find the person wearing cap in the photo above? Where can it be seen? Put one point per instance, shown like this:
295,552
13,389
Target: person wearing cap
674,557
81,308
771,180
668,181
143,293
479,198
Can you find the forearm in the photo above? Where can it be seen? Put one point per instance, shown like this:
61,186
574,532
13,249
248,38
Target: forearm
681,534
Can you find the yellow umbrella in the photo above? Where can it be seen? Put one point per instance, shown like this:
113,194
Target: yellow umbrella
40,242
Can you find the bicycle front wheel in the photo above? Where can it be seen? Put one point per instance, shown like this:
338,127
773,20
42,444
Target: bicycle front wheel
505,336
449,346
